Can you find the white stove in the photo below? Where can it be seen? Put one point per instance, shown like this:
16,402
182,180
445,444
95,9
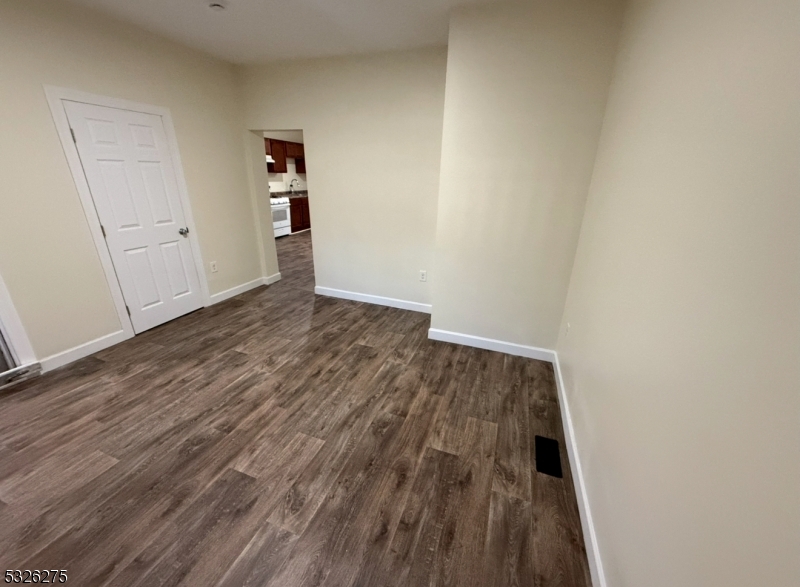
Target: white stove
281,216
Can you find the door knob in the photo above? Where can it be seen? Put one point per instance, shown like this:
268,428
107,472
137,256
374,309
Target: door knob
183,231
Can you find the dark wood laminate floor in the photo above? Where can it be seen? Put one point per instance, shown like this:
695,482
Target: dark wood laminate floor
286,439
296,261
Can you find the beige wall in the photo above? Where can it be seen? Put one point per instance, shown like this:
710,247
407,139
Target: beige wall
526,91
47,256
372,128
682,362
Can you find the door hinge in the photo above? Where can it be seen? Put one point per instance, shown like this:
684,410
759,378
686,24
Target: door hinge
72,132
127,309
103,230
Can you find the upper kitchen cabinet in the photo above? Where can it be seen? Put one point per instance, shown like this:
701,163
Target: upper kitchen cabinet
295,150
278,151
300,165
281,151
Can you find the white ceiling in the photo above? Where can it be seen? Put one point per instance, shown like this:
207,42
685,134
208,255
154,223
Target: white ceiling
295,136
265,30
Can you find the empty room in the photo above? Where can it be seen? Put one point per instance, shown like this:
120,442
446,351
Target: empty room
420,293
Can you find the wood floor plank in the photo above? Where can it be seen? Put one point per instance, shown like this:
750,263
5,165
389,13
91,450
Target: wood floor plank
365,563
459,557
411,342
284,438
204,528
198,403
491,383
52,477
451,420
210,535
373,527
355,376
40,416
543,380
92,548
400,395
439,365
410,557
316,552
544,420
71,438
509,559
559,554
512,472
260,559
306,495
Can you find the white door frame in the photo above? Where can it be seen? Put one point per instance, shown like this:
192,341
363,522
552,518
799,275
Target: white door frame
55,98
12,330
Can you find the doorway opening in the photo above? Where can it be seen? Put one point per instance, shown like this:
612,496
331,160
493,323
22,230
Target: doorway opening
17,361
289,205
11,371
6,360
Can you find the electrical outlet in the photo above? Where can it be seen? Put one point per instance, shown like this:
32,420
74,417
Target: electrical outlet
423,275
213,266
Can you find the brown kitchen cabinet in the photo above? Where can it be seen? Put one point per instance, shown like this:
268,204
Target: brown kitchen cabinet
278,151
300,165
295,150
301,219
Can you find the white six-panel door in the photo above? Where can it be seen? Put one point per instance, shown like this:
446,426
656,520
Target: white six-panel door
131,176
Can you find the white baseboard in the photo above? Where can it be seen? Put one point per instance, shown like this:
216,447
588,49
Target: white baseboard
589,534
370,299
235,291
491,344
83,350
97,345
240,289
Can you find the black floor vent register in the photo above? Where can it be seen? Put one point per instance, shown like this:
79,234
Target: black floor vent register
548,460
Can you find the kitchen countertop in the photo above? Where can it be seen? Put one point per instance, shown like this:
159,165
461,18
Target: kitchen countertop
290,195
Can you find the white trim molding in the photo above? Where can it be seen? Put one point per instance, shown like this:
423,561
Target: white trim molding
240,289
491,344
587,523
83,350
98,344
235,291
13,331
269,280
55,98
370,299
